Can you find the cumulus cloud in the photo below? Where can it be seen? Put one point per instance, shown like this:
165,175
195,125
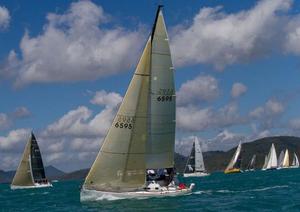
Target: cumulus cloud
21,112
193,118
202,88
74,46
7,120
268,114
238,89
4,17
271,108
15,141
104,98
222,39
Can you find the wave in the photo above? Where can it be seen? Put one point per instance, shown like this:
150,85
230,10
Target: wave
243,191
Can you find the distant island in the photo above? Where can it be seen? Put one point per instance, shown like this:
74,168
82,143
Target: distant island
214,160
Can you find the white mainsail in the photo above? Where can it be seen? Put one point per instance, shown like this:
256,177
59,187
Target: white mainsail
295,162
272,158
142,134
199,163
286,159
235,158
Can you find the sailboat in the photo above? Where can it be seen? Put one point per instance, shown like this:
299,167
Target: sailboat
285,161
136,158
280,159
234,165
251,165
195,164
271,162
295,162
30,173
265,163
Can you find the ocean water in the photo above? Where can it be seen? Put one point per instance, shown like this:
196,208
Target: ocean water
250,191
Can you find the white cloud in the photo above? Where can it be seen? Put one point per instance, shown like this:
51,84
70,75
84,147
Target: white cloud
4,17
15,140
271,108
104,98
21,112
295,124
292,44
238,89
202,88
268,114
5,121
221,39
192,118
75,46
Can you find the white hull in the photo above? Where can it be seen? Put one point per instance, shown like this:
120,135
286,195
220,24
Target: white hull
36,185
294,167
93,195
196,174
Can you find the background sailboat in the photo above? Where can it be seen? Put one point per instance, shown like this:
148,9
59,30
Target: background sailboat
271,159
280,159
286,160
295,162
30,173
251,165
142,135
234,165
195,165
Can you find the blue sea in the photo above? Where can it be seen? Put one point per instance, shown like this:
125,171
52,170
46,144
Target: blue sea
250,191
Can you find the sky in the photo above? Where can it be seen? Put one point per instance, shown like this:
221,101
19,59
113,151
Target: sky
65,66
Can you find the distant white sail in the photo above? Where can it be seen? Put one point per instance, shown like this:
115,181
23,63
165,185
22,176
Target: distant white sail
286,159
195,164
199,163
252,163
265,163
280,159
235,160
295,162
272,158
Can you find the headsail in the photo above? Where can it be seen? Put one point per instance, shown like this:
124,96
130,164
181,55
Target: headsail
160,146
280,159
286,159
251,163
23,175
235,161
120,164
199,163
295,162
266,162
272,158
